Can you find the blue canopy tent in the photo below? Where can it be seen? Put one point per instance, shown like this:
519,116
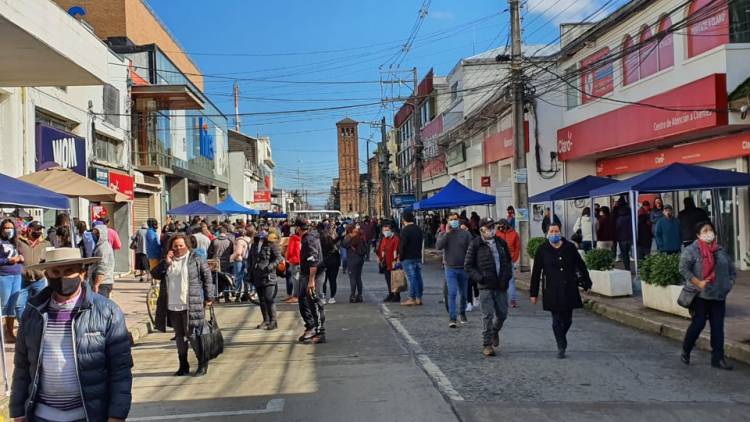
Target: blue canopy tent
454,195
231,206
17,193
266,214
674,177
195,208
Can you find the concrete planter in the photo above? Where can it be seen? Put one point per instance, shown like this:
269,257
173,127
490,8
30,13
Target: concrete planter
663,298
611,283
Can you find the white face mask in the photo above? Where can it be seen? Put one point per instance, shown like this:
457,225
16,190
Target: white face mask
708,237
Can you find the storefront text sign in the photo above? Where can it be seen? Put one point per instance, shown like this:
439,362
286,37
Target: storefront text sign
596,79
58,148
680,111
500,145
262,196
122,183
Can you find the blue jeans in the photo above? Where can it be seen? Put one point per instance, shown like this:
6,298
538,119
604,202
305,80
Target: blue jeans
344,259
23,295
413,270
457,283
238,271
10,285
512,285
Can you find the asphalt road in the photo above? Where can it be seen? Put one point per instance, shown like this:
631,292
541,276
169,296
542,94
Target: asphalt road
390,363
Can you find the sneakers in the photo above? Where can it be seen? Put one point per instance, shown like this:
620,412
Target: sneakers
262,326
272,326
331,301
722,364
452,324
409,302
419,302
318,339
462,319
306,336
488,351
352,299
685,357
469,307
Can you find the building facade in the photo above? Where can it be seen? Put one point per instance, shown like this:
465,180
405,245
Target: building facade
350,187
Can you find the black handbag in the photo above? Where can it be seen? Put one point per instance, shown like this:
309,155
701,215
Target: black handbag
687,297
208,342
577,236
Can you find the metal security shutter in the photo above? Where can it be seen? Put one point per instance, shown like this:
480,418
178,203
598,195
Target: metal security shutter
141,209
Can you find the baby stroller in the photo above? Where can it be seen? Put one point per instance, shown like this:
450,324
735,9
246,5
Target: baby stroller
224,283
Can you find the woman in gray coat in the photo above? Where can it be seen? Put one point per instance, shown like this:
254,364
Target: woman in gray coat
186,287
709,272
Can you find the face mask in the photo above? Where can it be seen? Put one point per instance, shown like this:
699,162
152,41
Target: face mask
554,238
64,286
387,233
96,237
262,234
487,235
454,224
708,237
8,233
36,235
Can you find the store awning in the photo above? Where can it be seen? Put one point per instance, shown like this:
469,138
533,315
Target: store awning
675,177
576,189
266,214
195,208
454,195
17,193
44,46
72,184
230,206
168,97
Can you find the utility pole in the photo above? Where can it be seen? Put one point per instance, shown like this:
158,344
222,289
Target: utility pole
520,187
384,176
417,119
367,180
236,106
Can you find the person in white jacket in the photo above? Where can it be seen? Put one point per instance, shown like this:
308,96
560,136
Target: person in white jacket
241,249
583,223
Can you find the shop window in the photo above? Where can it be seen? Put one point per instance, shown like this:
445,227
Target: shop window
739,21
630,71
648,53
709,26
666,44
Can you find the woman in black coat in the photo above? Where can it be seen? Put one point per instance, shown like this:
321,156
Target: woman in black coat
559,268
262,260
185,287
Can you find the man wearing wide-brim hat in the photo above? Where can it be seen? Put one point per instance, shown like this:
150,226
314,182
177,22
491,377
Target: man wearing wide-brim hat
72,360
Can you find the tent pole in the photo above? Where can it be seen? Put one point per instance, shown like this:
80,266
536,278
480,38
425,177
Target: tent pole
634,225
552,217
593,221
5,364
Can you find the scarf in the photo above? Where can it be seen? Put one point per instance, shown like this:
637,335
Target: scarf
177,283
709,260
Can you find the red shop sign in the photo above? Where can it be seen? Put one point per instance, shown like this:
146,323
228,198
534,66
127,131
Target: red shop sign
122,183
710,32
688,111
486,181
499,146
596,80
717,149
262,196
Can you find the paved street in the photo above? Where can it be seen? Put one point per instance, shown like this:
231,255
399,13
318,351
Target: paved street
389,363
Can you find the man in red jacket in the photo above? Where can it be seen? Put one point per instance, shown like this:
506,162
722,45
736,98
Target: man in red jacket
387,257
505,231
292,257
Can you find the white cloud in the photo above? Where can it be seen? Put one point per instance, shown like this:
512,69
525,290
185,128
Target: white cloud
441,15
563,11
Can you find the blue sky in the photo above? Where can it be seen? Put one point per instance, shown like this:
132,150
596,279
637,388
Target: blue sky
258,42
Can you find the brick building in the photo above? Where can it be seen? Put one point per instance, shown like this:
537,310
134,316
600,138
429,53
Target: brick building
349,180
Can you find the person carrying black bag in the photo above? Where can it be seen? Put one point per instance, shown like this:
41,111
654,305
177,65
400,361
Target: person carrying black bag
560,270
263,258
186,286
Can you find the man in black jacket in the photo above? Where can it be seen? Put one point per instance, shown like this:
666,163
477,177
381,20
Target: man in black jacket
311,278
262,260
65,314
689,217
410,253
489,264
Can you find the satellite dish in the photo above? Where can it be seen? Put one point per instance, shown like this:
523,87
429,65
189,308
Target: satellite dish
77,11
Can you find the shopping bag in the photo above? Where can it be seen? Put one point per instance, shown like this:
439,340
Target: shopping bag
687,296
398,281
208,342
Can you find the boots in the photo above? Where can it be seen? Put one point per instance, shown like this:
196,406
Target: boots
9,324
184,367
202,369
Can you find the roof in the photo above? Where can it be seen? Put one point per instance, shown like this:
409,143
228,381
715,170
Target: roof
346,121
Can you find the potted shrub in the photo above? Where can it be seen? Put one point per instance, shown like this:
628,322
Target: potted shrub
662,283
605,279
532,247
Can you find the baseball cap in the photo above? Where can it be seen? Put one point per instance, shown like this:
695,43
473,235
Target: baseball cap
35,225
668,207
487,222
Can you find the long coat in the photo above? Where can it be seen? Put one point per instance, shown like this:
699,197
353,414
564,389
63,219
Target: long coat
558,271
261,264
200,288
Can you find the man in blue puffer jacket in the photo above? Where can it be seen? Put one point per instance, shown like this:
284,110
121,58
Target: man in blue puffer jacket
72,358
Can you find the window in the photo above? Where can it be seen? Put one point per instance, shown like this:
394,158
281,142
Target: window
739,15
666,44
54,121
630,71
111,102
572,94
454,92
709,26
649,61
108,149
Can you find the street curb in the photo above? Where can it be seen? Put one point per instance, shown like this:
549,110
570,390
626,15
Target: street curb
139,331
732,349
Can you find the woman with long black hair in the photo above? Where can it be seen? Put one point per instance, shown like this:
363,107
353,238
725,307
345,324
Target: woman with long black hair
11,270
356,249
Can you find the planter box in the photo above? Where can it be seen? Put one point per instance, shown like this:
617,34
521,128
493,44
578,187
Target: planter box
663,298
611,283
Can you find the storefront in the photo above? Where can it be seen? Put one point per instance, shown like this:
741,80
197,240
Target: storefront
119,213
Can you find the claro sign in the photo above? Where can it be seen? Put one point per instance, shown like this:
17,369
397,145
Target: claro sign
58,148
679,111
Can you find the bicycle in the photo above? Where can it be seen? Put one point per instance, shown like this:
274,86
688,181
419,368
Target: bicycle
152,297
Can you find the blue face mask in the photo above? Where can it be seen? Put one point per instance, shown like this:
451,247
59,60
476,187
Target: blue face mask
554,238
8,233
262,234
388,233
454,224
